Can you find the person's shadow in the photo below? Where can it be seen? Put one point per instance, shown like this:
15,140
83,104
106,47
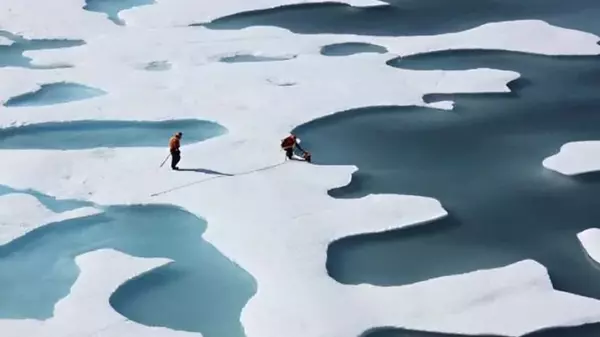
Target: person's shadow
207,171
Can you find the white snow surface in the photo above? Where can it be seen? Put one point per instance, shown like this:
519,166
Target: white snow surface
56,19
575,158
278,235
22,213
86,311
204,46
184,12
590,240
5,41
59,17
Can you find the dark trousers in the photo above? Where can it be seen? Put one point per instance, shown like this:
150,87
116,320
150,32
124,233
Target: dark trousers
175,158
289,152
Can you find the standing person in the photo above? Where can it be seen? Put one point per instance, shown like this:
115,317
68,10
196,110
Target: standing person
174,144
290,143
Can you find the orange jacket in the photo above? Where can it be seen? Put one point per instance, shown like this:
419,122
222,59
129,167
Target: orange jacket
174,143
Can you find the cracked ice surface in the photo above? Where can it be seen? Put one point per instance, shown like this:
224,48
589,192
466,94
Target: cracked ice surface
281,238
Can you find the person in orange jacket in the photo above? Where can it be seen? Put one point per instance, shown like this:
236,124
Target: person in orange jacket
174,144
290,143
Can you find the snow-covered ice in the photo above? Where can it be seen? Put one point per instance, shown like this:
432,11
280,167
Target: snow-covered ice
33,19
280,237
86,311
575,158
5,41
57,19
184,90
205,45
22,213
302,234
590,240
184,12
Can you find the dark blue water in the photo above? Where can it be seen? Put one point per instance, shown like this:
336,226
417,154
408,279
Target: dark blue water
112,7
12,56
351,48
201,291
93,134
483,161
583,331
415,17
54,93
